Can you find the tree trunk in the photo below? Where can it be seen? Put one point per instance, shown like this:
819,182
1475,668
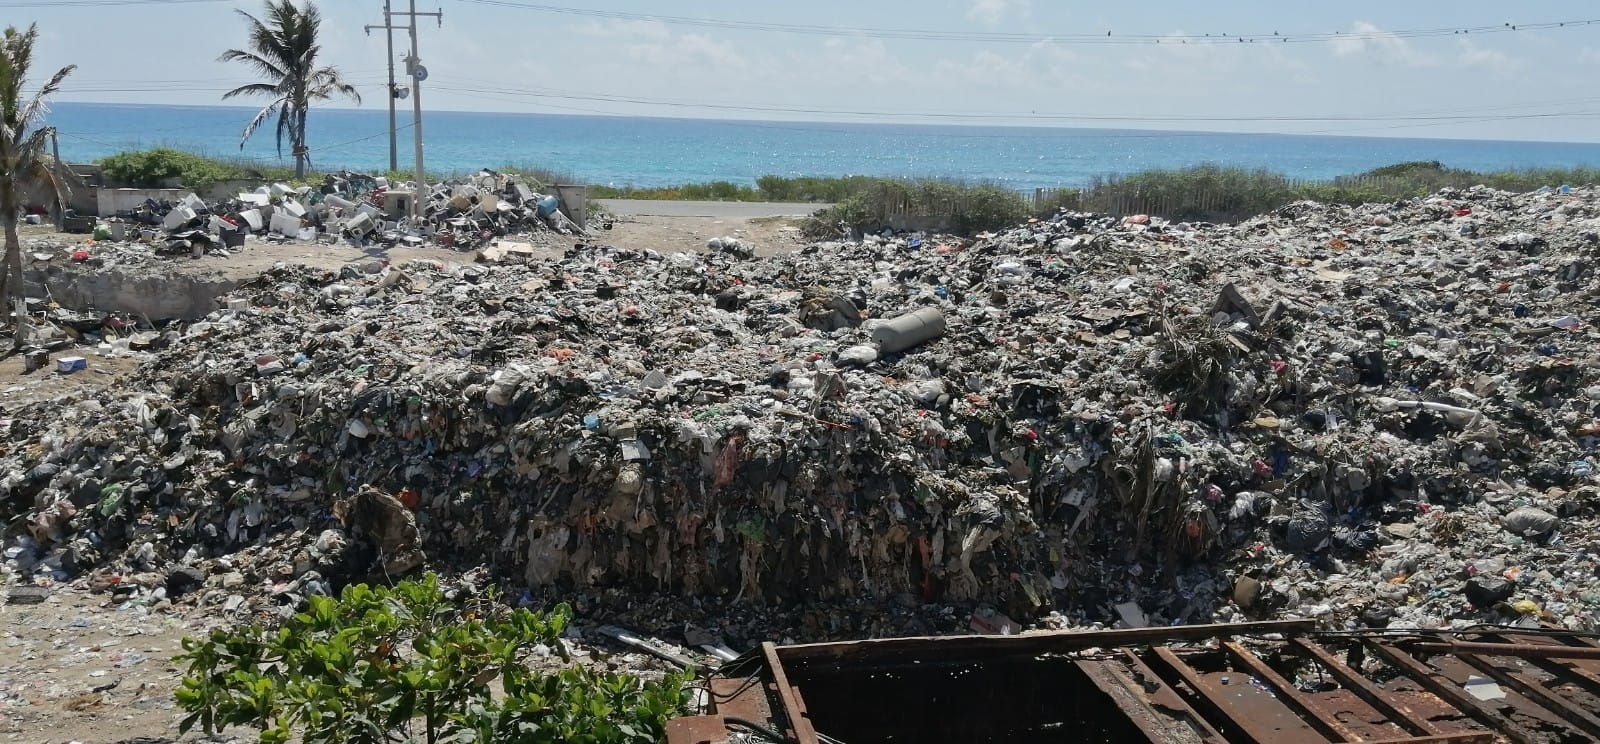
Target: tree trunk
301,152
11,275
14,294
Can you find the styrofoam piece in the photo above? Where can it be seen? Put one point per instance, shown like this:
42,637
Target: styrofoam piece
255,200
307,234
338,202
253,218
294,208
282,189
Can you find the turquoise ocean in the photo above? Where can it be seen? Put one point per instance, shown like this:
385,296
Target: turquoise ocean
655,151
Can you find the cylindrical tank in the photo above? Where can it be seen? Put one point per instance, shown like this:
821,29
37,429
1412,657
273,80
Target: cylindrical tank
913,328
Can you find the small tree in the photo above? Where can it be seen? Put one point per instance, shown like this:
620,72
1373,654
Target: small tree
284,49
369,666
22,156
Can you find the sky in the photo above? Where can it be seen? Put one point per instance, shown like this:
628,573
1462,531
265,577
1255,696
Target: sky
1356,67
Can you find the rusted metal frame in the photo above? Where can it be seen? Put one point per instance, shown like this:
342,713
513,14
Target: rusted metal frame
1576,674
1544,698
1245,726
948,647
1155,722
1363,688
1423,675
794,709
1519,650
1481,737
1170,697
1328,724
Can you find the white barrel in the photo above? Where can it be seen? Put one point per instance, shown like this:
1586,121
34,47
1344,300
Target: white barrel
913,328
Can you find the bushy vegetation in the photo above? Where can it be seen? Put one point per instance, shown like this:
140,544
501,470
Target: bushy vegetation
1219,194
158,166
712,191
377,664
926,204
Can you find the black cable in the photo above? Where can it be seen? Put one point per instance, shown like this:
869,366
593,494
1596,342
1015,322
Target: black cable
762,729
1095,38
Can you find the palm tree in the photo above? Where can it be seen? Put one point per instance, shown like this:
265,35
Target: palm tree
284,50
22,156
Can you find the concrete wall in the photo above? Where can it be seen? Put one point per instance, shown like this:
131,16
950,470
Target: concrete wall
151,294
81,194
112,201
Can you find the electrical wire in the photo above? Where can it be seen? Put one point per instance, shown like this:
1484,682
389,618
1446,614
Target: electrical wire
102,3
542,93
1016,38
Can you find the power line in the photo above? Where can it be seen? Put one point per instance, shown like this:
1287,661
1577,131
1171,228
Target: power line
1107,37
542,93
102,3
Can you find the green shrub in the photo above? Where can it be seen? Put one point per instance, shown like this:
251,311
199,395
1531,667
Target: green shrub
368,666
1220,194
938,204
154,167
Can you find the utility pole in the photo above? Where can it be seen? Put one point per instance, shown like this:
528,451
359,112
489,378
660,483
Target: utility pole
55,164
418,74
394,92
394,147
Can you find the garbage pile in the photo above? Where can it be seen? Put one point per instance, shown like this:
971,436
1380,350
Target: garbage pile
465,213
1384,415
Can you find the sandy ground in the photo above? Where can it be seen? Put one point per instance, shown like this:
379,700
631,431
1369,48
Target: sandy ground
76,668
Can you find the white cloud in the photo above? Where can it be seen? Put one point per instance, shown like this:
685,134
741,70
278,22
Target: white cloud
992,13
1039,67
854,62
1469,54
1367,41
655,44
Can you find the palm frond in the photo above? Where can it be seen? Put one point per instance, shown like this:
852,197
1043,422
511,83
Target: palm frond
253,89
255,122
39,106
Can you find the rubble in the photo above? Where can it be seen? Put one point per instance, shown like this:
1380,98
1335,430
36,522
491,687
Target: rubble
1357,415
465,213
